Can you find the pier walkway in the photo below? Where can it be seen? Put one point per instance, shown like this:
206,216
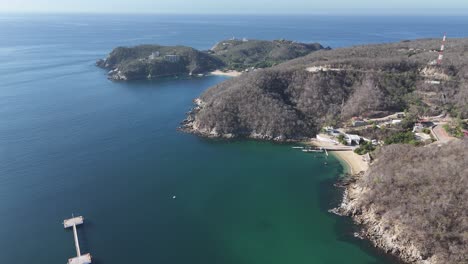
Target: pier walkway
79,259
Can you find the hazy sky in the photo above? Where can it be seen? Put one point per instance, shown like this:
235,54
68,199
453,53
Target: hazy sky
233,6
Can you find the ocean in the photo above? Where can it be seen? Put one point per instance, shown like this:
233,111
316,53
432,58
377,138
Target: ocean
73,142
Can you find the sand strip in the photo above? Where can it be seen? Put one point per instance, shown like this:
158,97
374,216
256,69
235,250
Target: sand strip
353,161
227,73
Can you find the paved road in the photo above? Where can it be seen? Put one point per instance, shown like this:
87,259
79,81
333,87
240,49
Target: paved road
441,135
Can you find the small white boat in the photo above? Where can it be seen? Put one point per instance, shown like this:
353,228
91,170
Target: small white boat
297,147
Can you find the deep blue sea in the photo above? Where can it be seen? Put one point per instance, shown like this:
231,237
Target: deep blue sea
72,141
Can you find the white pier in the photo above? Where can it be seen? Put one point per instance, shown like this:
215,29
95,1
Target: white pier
79,259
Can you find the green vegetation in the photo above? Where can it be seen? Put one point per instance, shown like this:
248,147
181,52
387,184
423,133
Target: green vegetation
454,130
426,131
240,55
364,148
137,63
409,120
341,139
401,138
151,61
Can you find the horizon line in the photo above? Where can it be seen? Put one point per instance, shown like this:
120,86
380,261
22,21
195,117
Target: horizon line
321,11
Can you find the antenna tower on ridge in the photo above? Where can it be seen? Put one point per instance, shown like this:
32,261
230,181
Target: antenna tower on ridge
442,48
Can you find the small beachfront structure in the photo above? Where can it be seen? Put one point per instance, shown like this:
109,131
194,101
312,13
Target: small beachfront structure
352,139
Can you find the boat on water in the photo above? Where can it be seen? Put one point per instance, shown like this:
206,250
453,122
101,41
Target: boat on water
298,147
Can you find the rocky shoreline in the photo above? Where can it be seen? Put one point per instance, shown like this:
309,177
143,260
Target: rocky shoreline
373,227
190,125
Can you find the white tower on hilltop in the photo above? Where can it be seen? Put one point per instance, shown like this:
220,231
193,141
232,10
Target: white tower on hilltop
441,52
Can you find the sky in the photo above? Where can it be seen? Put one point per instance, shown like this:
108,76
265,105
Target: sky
237,6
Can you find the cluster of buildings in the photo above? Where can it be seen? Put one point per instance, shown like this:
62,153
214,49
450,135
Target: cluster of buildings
351,139
420,129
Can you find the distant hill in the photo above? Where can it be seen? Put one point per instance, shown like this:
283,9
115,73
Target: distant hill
242,54
155,61
294,99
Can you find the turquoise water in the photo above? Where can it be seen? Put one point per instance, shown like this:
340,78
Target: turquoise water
73,142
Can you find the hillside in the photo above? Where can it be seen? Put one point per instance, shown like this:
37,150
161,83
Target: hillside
154,61
243,54
417,212
291,101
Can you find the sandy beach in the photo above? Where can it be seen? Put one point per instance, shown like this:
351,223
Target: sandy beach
354,162
227,73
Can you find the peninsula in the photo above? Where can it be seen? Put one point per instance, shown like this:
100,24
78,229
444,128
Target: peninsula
155,61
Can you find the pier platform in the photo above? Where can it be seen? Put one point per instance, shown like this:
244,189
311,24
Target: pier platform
73,221
84,259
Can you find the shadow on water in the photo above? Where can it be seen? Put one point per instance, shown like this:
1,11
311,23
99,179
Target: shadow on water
330,197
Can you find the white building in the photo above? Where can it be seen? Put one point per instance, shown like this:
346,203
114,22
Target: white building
352,139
